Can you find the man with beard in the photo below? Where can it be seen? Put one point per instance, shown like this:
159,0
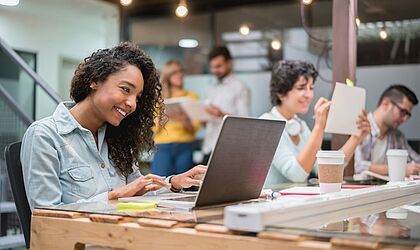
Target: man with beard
394,108
228,96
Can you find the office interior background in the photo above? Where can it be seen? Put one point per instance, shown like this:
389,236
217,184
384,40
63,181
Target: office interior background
53,36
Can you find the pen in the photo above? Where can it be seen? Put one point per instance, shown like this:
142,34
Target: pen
268,193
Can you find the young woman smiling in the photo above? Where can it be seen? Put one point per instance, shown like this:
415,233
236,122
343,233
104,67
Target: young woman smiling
89,149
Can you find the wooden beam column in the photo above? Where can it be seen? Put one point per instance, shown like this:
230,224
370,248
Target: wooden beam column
124,24
344,55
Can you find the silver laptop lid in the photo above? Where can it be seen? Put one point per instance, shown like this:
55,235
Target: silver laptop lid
240,160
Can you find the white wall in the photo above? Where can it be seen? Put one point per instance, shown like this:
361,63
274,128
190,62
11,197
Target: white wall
57,29
374,79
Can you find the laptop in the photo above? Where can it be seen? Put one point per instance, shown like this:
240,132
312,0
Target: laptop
238,165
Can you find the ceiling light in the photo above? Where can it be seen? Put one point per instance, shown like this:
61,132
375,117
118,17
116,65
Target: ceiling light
306,2
275,44
181,9
126,2
357,21
244,29
383,34
9,2
188,43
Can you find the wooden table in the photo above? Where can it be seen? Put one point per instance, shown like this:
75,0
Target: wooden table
52,229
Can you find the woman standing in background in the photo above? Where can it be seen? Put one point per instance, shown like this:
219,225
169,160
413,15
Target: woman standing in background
175,139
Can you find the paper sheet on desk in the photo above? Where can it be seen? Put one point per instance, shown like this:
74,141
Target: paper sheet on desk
300,191
412,208
156,198
346,104
315,190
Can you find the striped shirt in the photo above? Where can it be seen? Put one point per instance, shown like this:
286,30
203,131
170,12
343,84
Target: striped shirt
395,139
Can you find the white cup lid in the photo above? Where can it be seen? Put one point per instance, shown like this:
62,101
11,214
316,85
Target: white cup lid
396,152
330,156
330,153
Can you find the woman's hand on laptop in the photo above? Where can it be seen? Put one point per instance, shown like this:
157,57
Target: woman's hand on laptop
192,177
139,186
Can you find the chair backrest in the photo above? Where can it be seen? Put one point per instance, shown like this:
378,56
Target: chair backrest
14,170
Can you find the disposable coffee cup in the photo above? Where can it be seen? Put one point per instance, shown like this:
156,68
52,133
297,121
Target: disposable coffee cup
330,170
397,161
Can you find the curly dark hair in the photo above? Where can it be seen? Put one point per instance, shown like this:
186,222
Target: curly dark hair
285,74
134,135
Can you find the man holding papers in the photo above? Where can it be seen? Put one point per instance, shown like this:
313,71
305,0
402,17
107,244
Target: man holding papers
228,96
174,141
394,108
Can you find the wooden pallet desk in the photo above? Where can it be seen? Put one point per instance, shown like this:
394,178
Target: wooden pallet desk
201,229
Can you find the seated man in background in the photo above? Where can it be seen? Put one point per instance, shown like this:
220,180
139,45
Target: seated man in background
394,108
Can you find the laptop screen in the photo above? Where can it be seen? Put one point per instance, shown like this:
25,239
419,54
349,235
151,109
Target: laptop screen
240,160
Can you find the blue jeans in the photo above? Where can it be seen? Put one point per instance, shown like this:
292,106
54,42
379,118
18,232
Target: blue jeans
172,158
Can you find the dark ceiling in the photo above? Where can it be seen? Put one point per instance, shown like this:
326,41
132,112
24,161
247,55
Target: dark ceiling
369,10
165,8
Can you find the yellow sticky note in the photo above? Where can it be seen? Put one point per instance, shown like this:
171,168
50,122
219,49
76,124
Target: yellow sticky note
349,82
136,205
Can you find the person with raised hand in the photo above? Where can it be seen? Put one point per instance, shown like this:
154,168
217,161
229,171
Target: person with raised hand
292,91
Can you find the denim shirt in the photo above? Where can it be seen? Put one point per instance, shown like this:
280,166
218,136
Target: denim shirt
62,164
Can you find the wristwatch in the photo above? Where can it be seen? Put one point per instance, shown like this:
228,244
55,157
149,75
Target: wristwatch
173,189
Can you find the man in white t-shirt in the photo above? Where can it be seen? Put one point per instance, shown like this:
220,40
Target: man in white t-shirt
394,108
227,96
